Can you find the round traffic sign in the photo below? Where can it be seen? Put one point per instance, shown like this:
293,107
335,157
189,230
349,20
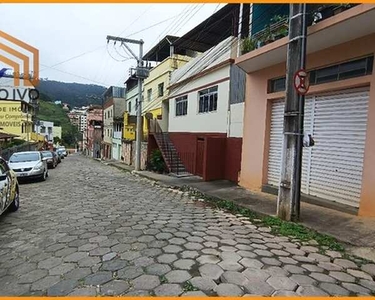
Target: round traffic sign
301,82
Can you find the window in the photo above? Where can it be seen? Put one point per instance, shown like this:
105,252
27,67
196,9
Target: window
181,106
350,69
208,100
149,94
42,129
161,89
129,106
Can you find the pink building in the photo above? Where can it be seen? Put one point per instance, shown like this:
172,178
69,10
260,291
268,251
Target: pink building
94,130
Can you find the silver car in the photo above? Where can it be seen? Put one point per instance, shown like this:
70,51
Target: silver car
29,165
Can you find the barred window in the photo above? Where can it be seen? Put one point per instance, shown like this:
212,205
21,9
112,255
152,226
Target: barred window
181,106
208,100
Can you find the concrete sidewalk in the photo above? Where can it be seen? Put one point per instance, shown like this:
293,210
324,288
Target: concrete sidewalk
357,232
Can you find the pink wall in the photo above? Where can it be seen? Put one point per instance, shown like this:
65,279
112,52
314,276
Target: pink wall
257,116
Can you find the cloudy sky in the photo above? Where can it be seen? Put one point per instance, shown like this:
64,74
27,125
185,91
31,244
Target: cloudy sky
71,38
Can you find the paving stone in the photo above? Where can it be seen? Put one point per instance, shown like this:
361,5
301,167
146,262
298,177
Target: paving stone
139,293
168,290
255,275
177,241
276,271
282,293
98,278
85,291
329,266
113,265
355,288
229,265
184,264
77,273
251,263
32,276
143,261
62,288
208,259
259,288
193,246
177,276
369,268
62,269
359,274
151,252
100,251
264,253
211,244
334,289
322,277
194,294
234,277
341,276
294,269
49,263
230,256
167,258
228,289
212,271
295,251
271,261
310,291
146,282
114,288
280,252
333,254
309,249
228,248
45,283
89,261
282,283
130,272
370,284
109,256
189,254
65,252
130,255
303,280
158,269
312,268
203,283
345,263
172,249
87,247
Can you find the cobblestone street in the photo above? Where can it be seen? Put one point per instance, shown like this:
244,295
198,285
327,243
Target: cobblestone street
91,229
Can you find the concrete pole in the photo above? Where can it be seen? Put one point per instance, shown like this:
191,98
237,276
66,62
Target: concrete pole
139,134
288,204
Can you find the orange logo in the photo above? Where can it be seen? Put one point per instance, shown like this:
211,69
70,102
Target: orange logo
12,46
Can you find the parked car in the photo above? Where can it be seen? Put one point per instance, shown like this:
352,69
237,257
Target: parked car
29,165
51,159
60,154
9,190
58,158
62,148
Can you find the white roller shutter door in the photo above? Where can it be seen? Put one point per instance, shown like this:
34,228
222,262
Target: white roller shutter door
332,169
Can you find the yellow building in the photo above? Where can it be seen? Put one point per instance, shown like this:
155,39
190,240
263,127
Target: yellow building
57,131
129,127
155,86
16,118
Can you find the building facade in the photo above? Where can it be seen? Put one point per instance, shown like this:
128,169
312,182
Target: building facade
339,112
45,128
94,131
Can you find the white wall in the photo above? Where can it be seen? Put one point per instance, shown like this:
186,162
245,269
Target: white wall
236,120
201,122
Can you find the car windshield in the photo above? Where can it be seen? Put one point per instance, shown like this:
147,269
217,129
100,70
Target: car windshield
47,154
24,157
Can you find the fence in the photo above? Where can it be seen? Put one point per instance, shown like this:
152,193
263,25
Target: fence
7,153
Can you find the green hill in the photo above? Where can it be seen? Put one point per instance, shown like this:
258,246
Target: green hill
49,111
75,94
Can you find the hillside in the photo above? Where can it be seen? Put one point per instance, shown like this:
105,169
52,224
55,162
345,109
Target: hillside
75,94
54,113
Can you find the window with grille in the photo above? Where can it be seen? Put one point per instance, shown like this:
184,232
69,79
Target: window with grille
208,100
181,106
161,89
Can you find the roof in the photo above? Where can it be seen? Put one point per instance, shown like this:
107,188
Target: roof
161,50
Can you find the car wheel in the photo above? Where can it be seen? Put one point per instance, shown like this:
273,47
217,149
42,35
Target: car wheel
16,201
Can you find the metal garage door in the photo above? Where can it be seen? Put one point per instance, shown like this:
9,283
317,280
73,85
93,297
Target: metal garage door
332,169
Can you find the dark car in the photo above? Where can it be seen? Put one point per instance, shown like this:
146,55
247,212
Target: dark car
58,158
60,154
9,190
51,159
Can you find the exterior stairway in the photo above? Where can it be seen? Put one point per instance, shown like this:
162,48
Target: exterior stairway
170,155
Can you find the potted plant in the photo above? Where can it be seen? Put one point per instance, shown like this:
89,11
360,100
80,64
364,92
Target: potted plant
267,36
249,44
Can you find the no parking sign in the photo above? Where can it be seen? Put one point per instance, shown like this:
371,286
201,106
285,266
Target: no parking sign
301,82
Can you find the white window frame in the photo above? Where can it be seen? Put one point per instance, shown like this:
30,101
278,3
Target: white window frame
181,100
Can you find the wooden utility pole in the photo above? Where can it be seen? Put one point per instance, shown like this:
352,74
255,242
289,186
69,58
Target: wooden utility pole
288,204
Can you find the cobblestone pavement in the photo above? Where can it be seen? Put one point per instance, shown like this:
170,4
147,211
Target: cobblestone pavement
91,229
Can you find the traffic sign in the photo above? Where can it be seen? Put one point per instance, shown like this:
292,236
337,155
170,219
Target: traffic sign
301,82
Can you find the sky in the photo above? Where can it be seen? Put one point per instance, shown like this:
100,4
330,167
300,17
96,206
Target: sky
71,38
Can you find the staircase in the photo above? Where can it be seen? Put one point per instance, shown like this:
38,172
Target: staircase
170,155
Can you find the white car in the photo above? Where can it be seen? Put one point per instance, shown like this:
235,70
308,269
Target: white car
63,150
29,165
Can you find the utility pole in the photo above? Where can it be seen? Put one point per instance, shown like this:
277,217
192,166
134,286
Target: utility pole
141,73
288,204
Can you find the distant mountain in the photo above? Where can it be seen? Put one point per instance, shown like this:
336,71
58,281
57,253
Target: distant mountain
75,94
